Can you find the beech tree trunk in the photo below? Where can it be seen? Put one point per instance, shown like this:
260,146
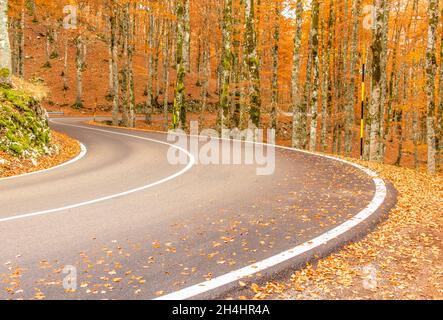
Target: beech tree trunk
5,48
326,86
316,73
296,97
79,64
275,66
439,142
114,62
187,36
253,64
166,64
65,64
350,99
431,71
226,66
179,108
18,44
376,104
384,81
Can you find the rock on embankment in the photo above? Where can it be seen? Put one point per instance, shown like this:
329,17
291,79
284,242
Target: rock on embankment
24,129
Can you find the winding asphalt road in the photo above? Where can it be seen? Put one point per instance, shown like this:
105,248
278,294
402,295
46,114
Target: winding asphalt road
135,226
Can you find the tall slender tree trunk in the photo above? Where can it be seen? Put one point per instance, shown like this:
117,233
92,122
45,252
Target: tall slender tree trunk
398,117
79,64
296,97
5,48
226,65
415,138
439,142
431,71
187,36
65,63
384,80
237,75
253,64
110,70
392,115
307,94
179,108
350,99
377,81
19,44
21,61
326,86
166,65
316,73
129,74
205,82
114,62
158,27
275,66
150,64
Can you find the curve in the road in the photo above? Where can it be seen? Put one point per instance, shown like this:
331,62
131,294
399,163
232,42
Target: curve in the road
113,196
373,206
276,259
83,152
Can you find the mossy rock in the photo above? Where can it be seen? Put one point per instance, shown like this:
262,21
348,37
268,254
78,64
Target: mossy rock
24,129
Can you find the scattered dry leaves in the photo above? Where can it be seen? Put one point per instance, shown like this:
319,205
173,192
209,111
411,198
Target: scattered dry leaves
68,149
401,259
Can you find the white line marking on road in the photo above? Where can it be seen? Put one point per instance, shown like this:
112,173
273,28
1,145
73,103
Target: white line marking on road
77,205
83,152
252,269
230,277
195,290
373,206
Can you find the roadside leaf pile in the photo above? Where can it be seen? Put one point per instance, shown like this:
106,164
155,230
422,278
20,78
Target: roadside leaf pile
401,259
64,149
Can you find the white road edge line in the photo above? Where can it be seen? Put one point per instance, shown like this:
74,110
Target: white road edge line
77,205
83,152
373,206
252,269
236,275
195,290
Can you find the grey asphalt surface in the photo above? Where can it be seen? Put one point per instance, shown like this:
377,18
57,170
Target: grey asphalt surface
211,220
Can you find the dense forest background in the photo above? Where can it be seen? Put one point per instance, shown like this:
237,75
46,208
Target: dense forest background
324,74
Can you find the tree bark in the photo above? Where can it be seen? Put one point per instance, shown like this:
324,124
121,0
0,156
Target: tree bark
275,66
114,62
326,85
65,64
5,48
166,64
187,36
253,64
377,81
316,74
226,65
439,142
150,64
79,64
179,108
431,71
296,97
350,100
384,80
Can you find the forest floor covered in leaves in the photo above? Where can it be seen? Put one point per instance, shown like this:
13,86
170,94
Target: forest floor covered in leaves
401,259
67,147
